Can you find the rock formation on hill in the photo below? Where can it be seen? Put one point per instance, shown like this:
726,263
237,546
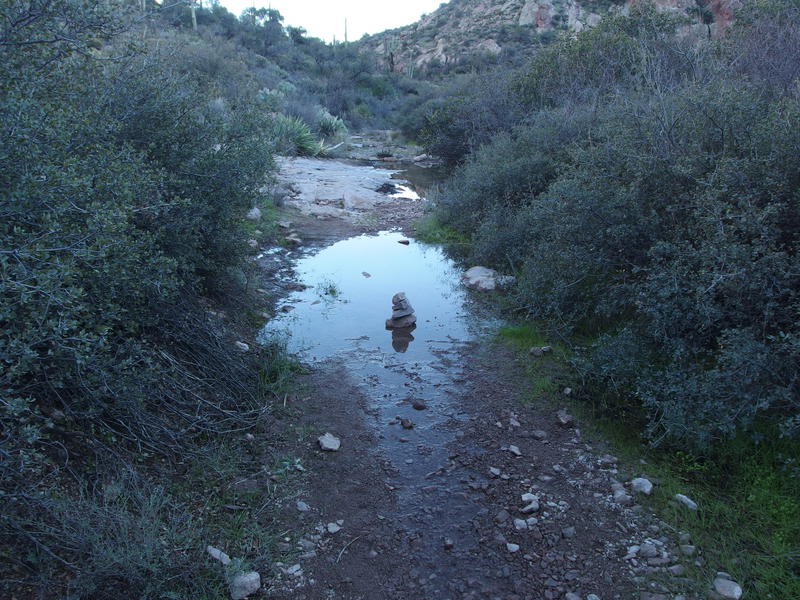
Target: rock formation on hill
462,28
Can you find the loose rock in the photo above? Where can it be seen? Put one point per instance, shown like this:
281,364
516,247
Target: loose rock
242,347
244,584
254,214
687,502
727,589
329,442
512,547
219,555
564,418
642,486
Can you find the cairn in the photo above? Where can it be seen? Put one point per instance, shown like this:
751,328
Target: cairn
402,314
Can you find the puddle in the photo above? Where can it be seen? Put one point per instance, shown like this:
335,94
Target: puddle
337,317
341,317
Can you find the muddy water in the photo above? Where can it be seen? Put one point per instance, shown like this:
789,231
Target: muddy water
340,317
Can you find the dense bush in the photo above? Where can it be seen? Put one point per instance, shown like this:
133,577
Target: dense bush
127,164
649,198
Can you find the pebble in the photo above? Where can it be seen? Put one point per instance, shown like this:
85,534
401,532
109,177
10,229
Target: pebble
219,555
514,450
642,485
520,524
622,498
727,589
513,422
241,346
539,434
494,472
564,418
512,547
648,550
687,502
302,506
333,528
329,442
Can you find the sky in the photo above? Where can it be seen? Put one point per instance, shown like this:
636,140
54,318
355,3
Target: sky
325,18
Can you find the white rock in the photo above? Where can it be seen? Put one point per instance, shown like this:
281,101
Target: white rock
219,555
512,547
514,450
687,502
302,506
727,588
329,442
640,485
513,422
333,528
254,214
241,346
244,584
494,472
481,279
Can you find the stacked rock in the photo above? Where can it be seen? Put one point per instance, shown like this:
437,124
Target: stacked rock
402,313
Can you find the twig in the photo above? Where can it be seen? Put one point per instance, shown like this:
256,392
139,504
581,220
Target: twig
346,546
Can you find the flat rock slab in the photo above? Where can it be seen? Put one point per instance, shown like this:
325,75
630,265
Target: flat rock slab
330,188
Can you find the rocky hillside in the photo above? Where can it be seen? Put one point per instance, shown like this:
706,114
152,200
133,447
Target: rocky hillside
467,27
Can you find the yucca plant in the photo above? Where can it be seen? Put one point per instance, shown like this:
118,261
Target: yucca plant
293,137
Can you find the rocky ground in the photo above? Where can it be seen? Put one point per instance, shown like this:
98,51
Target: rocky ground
518,505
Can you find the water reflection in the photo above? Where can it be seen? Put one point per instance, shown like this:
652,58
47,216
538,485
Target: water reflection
401,338
352,284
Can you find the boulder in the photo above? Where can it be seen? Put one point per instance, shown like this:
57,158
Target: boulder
481,279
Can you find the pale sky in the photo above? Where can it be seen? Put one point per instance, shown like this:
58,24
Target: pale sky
325,18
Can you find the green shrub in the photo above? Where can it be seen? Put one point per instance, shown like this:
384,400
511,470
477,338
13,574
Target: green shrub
293,137
649,200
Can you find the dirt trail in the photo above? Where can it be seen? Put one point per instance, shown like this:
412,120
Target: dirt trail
437,511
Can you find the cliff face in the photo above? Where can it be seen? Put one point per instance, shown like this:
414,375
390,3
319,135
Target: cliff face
464,27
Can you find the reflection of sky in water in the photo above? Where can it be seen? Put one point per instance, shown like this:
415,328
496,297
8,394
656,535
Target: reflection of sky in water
325,325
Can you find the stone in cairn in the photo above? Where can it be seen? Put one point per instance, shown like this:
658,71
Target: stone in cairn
402,313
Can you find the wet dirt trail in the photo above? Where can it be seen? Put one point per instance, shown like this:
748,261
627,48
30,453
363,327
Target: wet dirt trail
447,484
